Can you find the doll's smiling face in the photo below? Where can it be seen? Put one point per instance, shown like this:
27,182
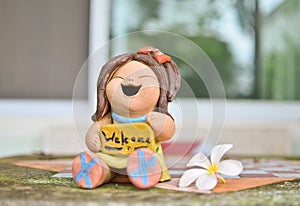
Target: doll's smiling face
133,90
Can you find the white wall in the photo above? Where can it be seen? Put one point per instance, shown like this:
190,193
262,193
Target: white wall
253,127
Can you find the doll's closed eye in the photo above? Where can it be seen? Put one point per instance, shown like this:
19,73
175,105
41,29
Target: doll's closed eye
118,77
147,76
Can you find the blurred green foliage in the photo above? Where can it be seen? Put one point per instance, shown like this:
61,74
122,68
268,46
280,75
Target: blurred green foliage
281,59
171,16
222,58
272,75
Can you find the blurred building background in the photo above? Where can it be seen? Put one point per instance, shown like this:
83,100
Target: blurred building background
254,45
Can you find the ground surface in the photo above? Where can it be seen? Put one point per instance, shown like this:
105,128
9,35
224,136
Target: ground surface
27,186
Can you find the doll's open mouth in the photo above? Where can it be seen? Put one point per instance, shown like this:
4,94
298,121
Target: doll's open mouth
130,90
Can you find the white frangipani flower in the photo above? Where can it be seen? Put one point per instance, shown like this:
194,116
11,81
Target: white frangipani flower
206,176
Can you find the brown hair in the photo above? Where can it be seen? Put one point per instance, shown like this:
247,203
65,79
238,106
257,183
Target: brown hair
167,73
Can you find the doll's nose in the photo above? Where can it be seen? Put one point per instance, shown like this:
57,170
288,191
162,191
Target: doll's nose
129,79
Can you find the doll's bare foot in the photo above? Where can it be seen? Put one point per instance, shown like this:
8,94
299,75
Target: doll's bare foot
89,171
143,168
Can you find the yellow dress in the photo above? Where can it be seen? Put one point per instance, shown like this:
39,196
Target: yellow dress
119,161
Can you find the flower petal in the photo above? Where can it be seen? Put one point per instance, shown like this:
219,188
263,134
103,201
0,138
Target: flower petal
189,176
206,182
230,167
218,152
199,160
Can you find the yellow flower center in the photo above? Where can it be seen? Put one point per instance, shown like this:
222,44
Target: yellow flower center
214,169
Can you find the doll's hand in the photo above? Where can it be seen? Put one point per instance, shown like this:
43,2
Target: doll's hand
92,138
162,125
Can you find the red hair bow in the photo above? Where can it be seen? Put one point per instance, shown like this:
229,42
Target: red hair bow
156,53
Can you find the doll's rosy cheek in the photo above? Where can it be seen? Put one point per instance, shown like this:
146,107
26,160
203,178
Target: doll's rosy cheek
112,87
149,83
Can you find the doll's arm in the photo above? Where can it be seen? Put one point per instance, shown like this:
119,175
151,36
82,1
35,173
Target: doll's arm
92,137
162,125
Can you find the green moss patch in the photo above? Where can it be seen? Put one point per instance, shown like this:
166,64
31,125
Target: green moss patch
21,184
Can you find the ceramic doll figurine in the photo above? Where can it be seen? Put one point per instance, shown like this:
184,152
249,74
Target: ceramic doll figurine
130,121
